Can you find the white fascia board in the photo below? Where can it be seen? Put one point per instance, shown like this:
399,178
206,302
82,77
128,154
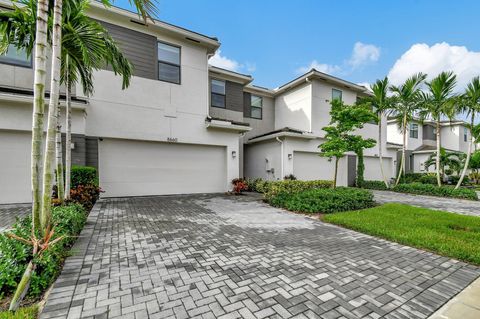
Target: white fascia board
225,125
29,99
283,134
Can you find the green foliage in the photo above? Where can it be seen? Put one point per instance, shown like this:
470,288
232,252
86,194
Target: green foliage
67,221
424,178
85,195
448,234
443,191
475,160
378,185
84,175
272,189
325,200
22,313
453,160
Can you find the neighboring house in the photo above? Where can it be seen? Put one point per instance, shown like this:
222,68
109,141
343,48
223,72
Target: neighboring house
287,126
182,126
421,140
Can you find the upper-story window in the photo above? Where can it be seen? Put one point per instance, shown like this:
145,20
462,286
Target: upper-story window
465,134
336,94
256,105
413,130
217,98
168,63
16,57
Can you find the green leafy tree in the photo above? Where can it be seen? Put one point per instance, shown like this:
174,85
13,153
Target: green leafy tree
438,102
407,97
339,137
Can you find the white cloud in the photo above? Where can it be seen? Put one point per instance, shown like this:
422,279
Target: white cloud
367,85
223,62
435,59
250,67
325,68
363,53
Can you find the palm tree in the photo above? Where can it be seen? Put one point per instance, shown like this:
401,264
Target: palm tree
86,47
382,103
438,102
452,160
407,96
470,103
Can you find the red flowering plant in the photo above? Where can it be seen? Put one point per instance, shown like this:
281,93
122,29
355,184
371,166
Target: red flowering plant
239,185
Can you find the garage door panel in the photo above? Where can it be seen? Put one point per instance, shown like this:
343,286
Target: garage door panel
135,168
310,166
372,168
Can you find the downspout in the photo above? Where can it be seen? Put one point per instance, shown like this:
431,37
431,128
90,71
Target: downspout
209,55
281,156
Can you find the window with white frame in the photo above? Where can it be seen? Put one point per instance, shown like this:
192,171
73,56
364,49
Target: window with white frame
256,105
413,130
465,134
217,96
168,63
15,56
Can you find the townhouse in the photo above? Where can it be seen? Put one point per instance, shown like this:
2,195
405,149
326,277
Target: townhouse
421,141
182,126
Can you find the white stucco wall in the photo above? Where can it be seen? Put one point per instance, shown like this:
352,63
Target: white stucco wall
256,156
293,108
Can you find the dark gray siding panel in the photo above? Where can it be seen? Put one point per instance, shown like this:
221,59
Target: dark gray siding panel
428,133
352,169
91,158
234,96
79,150
139,48
247,99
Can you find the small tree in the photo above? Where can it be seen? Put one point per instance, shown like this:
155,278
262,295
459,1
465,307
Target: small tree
357,144
344,120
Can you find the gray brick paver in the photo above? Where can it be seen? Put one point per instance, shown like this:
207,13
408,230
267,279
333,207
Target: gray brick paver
212,256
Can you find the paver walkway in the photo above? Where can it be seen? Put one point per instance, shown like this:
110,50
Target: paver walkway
232,257
9,213
461,206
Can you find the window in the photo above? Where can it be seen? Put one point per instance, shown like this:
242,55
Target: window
465,134
256,104
168,63
413,130
336,94
16,57
218,93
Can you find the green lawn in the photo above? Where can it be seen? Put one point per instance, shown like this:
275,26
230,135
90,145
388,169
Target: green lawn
447,234
22,313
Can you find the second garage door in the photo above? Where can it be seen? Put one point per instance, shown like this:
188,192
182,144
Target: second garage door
136,168
311,166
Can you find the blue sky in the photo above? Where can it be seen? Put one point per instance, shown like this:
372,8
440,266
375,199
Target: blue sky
359,41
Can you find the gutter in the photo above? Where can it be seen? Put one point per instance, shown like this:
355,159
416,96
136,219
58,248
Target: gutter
281,156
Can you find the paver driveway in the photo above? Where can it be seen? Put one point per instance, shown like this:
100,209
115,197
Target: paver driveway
231,257
9,214
454,205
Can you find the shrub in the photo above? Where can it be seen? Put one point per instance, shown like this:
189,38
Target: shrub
239,185
428,178
83,175
291,187
379,185
252,183
453,179
68,221
443,191
326,200
290,177
262,186
85,195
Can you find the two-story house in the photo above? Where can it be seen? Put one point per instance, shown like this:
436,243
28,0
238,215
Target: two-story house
182,126
287,126
421,140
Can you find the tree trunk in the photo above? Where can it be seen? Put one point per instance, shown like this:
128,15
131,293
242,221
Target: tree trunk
469,152
380,150
68,138
335,173
38,109
49,158
437,158
59,160
22,287
402,162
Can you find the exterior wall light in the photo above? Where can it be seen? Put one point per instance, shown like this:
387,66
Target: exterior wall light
234,154
290,156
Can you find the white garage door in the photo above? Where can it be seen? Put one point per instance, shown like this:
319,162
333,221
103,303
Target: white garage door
372,168
15,148
136,168
310,166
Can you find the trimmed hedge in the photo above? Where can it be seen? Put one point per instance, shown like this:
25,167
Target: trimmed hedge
293,186
379,185
443,191
67,221
84,175
326,200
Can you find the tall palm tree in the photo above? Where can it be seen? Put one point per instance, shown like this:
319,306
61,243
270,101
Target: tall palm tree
452,160
86,47
407,96
437,103
382,103
469,102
